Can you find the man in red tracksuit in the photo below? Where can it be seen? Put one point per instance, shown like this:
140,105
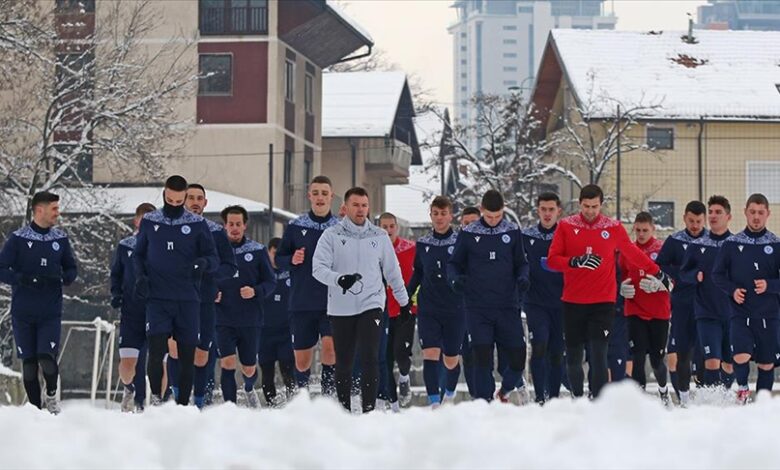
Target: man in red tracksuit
648,314
400,335
583,249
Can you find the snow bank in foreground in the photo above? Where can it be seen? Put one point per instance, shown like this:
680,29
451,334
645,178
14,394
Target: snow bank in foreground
623,429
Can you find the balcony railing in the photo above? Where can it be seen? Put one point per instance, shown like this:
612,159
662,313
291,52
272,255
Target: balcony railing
394,153
221,21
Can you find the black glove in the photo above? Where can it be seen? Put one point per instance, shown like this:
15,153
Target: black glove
458,284
198,269
346,281
588,261
116,302
406,313
523,284
142,288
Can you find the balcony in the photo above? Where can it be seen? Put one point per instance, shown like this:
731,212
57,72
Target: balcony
224,20
389,160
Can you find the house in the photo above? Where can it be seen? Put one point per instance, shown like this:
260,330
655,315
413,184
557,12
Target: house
368,133
707,114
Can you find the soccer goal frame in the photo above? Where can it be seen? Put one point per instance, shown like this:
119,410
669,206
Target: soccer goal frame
101,358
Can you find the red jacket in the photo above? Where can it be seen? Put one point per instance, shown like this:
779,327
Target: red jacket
604,236
656,306
404,251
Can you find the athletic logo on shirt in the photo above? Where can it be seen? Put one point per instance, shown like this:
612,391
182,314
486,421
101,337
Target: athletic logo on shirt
685,246
605,235
20,349
185,229
768,250
129,253
303,232
156,228
703,249
476,238
343,242
741,247
427,248
248,257
532,241
56,246
377,322
52,344
506,238
576,231
29,244
606,333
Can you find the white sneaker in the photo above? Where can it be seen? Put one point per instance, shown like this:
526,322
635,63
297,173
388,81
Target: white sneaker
127,405
522,396
448,399
685,399
395,407
252,400
381,405
52,404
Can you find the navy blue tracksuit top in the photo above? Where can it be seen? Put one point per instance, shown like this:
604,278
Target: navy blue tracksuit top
123,280
546,286
710,301
254,270
670,259
276,311
227,263
431,255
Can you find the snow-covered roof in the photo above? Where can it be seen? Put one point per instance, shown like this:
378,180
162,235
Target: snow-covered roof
360,104
351,22
410,201
124,200
724,75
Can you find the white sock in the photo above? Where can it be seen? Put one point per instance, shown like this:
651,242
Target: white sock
662,389
403,378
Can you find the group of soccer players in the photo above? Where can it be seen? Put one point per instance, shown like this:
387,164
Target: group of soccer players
192,292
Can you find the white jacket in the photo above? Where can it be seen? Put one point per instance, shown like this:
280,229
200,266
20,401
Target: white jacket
347,248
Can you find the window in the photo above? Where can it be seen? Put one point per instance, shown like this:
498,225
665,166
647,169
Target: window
76,6
288,162
510,41
308,94
463,48
216,72
225,17
660,138
762,177
463,62
510,69
463,75
510,82
510,28
662,212
510,55
463,35
463,88
525,9
289,81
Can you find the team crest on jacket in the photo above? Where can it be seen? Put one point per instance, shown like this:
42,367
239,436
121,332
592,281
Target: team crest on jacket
288,282
185,229
450,249
56,246
248,257
373,244
768,250
605,235
506,238
653,256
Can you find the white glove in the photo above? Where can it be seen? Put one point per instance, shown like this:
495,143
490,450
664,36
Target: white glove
627,290
659,282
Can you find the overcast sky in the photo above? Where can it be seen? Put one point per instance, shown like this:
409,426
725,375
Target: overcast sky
413,33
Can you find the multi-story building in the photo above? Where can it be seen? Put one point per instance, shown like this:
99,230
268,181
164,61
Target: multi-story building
497,45
763,15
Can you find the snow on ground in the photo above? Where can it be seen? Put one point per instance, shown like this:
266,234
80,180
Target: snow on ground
625,428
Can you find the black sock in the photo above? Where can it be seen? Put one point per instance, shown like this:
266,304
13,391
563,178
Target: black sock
31,384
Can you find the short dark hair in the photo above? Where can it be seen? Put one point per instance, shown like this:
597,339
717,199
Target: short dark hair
720,201
591,191
234,210
548,196
44,197
356,191
197,186
274,243
388,215
176,183
143,208
492,200
643,217
321,179
757,198
441,202
470,210
695,208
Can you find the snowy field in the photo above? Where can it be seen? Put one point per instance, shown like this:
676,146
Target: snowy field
625,428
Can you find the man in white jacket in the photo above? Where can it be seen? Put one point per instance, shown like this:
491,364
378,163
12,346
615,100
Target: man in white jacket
352,258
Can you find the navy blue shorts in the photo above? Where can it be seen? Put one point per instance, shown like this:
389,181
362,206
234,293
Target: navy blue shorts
275,345
243,339
178,319
755,336
307,326
36,336
545,326
503,327
208,325
683,333
443,330
132,332
714,338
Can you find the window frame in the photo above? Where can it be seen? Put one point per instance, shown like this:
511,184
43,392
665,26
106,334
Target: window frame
289,80
229,55
670,129
656,220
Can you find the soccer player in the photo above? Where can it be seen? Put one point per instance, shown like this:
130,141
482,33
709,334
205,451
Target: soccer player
542,304
36,261
647,313
583,248
240,307
400,337
467,216
441,319
174,249
747,269
275,339
712,307
132,324
353,259
488,266
683,330
308,297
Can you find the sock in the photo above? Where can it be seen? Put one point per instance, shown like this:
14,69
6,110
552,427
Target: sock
228,383
741,372
662,390
173,373
249,382
328,379
673,378
129,387
711,377
199,384
430,377
452,380
766,379
539,375
727,378
302,378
